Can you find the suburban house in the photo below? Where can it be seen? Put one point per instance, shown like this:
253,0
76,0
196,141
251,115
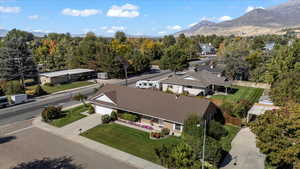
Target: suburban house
154,108
269,46
207,49
199,83
66,76
217,69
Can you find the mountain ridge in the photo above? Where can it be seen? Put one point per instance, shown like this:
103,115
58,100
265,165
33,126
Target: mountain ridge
256,22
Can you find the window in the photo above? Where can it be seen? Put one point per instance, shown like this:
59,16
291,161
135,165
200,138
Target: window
170,86
178,127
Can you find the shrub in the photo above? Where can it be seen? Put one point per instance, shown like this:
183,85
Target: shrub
165,132
106,119
91,109
191,126
242,108
2,92
213,151
129,117
51,113
114,116
216,130
39,91
49,84
13,87
155,135
228,108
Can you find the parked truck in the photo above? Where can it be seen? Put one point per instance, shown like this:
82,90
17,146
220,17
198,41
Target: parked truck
19,98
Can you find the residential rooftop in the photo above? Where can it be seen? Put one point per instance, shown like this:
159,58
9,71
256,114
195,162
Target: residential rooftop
66,72
153,103
201,79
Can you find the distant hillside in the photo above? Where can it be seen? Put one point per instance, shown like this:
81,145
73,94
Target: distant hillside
256,22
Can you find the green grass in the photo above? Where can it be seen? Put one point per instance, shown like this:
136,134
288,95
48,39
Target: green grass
70,116
129,140
247,93
226,141
62,87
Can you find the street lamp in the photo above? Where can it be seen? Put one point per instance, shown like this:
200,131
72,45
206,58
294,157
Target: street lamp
203,145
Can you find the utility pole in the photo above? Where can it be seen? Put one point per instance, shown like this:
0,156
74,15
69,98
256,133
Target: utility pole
203,148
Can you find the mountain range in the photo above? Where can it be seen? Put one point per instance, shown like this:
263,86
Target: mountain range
273,20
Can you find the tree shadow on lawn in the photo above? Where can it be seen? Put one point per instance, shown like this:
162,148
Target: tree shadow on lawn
7,139
50,163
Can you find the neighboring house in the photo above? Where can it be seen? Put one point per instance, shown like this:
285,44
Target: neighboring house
155,108
269,46
218,69
196,83
66,76
207,49
264,104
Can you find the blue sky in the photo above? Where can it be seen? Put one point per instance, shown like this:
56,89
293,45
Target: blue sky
135,17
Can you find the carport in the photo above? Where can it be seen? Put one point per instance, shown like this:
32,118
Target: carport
259,109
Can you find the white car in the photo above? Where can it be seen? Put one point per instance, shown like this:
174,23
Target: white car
145,84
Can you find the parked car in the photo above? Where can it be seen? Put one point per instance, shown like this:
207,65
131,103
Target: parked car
19,98
145,84
4,101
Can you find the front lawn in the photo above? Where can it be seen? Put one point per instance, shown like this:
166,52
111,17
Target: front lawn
226,141
69,116
62,87
129,140
243,93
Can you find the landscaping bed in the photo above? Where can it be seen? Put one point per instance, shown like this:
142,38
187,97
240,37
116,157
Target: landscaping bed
129,140
70,116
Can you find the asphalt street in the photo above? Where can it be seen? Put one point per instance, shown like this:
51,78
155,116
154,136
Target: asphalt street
34,108
34,144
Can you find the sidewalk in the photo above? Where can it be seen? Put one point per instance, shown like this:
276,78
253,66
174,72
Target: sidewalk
71,132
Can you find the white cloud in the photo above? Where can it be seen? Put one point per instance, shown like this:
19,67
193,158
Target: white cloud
192,24
162,32
34,17
40,31
9,9
113,29
174,28
224,18
125,11
84,12
251,8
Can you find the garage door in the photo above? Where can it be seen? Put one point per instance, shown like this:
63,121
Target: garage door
103,110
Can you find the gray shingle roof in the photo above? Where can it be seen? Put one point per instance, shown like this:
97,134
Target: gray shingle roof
202,79
153,103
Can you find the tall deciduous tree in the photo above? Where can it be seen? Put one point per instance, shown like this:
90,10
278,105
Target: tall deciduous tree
16,61
174,59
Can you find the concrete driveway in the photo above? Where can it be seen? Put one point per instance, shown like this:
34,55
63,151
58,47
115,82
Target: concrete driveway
244,153
33,143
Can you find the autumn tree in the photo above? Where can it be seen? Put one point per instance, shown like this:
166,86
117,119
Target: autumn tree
277,135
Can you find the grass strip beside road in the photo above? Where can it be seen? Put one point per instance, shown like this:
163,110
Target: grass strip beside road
70,116
62,87
129,140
